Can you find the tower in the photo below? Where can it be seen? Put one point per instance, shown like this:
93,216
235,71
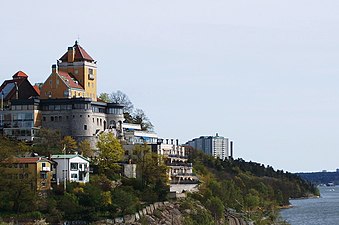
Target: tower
75,75
78,63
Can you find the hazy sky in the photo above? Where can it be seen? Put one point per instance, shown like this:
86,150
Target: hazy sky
263,73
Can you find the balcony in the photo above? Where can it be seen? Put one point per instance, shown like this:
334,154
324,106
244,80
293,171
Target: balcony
46,169
183,164
91,76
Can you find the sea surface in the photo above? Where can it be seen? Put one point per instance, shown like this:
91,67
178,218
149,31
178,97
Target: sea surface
315,211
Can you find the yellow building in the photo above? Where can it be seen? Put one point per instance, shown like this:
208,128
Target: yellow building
36,170
75,75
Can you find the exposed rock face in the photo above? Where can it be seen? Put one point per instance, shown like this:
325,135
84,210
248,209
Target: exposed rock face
167,213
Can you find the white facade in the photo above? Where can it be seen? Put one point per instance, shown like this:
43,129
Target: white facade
179,169
216,146
73,168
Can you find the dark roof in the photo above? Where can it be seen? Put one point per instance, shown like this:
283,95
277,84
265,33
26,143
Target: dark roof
20,78
79,56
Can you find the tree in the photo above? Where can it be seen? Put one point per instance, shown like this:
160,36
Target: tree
69,143
104,97
47,141
121,98
85,149
139,117
153,172
214,204
111,152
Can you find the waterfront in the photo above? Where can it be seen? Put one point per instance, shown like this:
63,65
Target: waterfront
315,211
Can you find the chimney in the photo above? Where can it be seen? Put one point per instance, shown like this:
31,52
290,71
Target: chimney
70,54
54,68
231,147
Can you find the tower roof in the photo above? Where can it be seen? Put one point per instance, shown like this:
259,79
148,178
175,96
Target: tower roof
79,54
19,74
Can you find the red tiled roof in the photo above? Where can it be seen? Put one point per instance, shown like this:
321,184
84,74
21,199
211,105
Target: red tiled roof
28,160
80,54
100,100
69,80
37,89
19,74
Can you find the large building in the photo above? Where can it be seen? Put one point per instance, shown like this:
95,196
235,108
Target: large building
68,102
74,75
216,146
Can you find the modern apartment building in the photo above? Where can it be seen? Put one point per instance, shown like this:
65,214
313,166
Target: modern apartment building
216,146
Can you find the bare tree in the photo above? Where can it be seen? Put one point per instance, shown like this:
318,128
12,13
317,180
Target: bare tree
121,98
139,117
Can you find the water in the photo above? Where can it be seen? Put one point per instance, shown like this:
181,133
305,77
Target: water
317,211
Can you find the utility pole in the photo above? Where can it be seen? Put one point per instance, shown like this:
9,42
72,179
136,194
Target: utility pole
65,169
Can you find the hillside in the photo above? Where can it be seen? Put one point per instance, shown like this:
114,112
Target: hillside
246,187
249,190
321,177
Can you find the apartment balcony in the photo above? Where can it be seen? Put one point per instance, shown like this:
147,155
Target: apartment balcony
46,169
177,156
183,164
91,76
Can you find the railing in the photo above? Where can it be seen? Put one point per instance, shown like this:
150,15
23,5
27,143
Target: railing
179,164
46,169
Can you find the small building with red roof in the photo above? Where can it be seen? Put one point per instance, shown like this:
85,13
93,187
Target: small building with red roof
35,171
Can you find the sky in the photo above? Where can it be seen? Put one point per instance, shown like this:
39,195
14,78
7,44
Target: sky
263,73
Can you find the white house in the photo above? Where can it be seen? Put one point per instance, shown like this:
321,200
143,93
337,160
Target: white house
74,168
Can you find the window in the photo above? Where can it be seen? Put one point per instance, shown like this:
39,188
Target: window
74,166
74,175
57,82
85,127
76,71
44,118
52,118
50,82
43,164
43,175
